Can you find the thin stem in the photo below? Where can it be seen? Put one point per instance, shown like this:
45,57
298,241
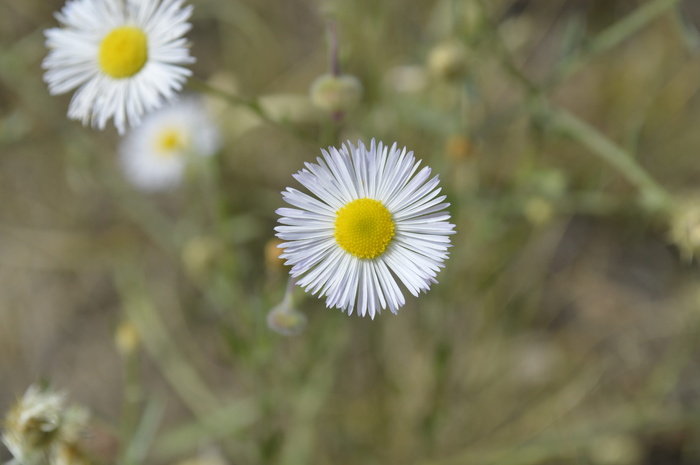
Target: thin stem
333,59
252,104
132,401
572,126
612,36
506,58
289,293
162,347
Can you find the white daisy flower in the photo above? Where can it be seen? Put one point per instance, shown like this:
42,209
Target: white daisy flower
123,56
154,155
371,219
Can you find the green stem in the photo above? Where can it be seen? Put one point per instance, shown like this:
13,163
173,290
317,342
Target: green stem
252,104
162,347
132,402
572,126
612,36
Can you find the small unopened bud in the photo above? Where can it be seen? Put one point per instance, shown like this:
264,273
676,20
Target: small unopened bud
336,94
448,60
273,262
409,79
615,450
205,457
199,255
292,109
551,183
284,319
538,211
685,229
458,147
126,338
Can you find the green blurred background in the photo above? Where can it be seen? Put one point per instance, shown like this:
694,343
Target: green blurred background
563,329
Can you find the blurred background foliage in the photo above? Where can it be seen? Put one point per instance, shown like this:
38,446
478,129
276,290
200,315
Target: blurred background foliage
563,329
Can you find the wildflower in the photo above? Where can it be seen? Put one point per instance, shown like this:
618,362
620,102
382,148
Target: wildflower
154,155
40,428
371,219
122,56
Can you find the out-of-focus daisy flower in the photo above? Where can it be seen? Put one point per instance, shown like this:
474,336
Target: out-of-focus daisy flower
122,56
41,429
155,154
370,220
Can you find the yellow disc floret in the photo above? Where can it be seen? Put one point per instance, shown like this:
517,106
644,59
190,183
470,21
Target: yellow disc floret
364,228
123,52
170,141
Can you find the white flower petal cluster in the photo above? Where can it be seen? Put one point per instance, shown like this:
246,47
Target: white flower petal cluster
73,61
419,242
156,154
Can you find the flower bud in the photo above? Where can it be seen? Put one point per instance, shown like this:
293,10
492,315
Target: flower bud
273,262
458,147
336,94
284,319
538,210
199,255
685,229
406,79
448,60
127,338
615,450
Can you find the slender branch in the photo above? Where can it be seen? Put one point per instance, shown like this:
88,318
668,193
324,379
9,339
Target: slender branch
254,105
572,126
611,37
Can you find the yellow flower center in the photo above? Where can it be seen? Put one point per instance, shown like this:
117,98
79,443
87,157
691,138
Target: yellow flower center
364,228
123,52
170,141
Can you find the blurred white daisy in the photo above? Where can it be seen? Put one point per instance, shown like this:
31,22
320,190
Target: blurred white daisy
371,219
156,154
123,56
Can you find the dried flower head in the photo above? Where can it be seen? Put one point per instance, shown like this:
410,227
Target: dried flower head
41,429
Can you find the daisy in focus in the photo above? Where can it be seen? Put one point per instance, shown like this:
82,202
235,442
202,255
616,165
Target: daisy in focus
122,56
156,154
371,221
